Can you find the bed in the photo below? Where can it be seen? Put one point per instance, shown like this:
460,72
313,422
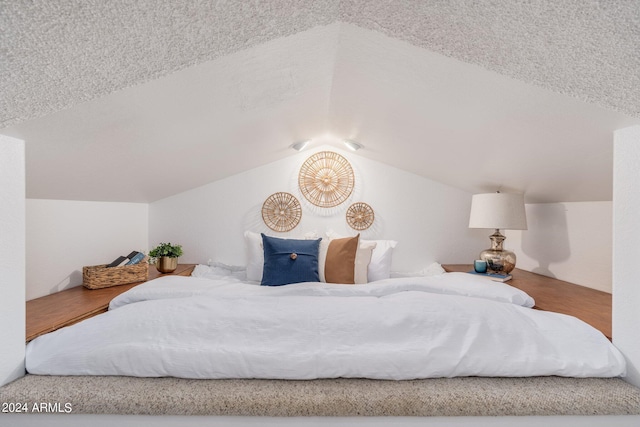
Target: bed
217,324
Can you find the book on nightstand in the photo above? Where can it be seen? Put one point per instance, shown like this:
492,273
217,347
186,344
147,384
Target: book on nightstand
493,276
118,262
135,259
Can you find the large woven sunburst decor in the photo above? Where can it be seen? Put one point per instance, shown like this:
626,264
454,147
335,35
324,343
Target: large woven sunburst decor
281,212
326,179
360,216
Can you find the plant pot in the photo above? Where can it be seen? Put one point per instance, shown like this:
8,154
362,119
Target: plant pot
166,264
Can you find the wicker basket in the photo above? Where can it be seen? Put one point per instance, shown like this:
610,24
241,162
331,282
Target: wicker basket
101,276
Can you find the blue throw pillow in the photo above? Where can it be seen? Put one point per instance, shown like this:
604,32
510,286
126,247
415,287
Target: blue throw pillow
289,261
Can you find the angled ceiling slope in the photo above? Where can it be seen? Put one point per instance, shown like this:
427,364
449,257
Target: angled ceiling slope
468,127
71,77
195,126
57,54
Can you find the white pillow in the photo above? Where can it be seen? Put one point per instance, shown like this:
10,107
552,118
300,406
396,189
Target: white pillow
380,265
363,259
255,255
322,257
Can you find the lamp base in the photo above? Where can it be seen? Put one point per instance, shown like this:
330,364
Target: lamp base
498,260
501,262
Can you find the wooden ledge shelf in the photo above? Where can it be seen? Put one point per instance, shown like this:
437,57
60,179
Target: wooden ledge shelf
55,311
589,305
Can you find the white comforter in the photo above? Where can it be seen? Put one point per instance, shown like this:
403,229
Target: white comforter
448,325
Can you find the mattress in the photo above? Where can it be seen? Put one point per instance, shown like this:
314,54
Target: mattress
219,326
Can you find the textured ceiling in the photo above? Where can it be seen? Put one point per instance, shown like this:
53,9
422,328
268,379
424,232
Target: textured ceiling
112,93
468,127
55,54
189,128
588,49
58,53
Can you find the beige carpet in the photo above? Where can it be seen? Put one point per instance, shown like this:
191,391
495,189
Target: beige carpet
338,397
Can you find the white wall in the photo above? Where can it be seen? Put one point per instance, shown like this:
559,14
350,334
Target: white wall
63,236
12,259
428,219
568,241
626,248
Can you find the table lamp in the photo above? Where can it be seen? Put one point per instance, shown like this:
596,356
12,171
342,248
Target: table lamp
498,211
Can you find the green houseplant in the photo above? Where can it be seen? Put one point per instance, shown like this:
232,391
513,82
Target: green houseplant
165,256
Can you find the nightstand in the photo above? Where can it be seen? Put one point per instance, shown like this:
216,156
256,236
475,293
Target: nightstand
589,305
55,311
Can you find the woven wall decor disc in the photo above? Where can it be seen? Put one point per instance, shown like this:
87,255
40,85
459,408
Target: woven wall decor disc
360,216
281,212
326,179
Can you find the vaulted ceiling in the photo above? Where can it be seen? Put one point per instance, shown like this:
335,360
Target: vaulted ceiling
136,101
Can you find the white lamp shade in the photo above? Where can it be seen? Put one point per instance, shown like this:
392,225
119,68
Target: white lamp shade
499,211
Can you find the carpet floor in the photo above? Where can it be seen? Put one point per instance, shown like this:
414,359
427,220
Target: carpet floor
471,396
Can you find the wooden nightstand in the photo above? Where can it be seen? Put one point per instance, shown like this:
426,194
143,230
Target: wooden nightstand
55,311
589,305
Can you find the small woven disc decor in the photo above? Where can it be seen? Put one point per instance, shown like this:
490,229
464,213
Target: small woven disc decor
360,216
281,211
326,179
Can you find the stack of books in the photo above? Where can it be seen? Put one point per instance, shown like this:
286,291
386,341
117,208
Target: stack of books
493,276
133,258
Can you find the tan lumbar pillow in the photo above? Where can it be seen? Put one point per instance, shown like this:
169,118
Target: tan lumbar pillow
340,261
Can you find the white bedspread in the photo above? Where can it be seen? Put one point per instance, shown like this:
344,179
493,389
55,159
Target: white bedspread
448,325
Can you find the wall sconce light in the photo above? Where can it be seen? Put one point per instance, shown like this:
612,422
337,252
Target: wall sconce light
300,145
352,145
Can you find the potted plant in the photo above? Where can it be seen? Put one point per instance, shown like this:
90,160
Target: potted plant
165,256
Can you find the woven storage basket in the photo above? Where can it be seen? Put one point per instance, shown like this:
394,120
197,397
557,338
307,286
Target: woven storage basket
101,276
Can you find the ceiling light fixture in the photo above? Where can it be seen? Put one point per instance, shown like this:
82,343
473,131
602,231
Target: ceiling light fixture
352,145
300,145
